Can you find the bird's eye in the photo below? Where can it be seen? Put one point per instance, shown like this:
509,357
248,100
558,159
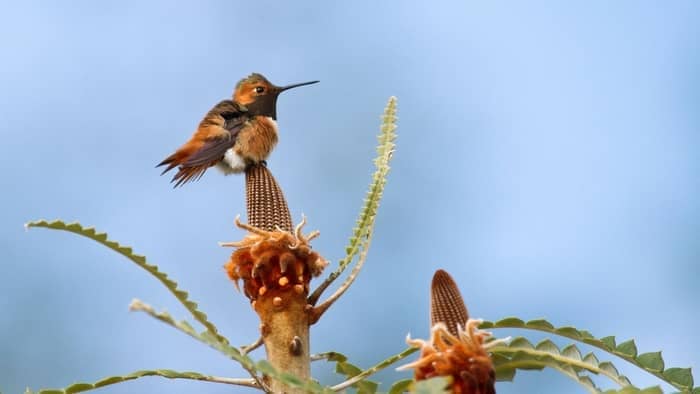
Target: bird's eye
259,89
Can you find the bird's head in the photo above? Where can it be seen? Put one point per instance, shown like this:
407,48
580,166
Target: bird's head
259,95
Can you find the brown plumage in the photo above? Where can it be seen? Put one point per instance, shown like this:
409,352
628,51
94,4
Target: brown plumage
235,134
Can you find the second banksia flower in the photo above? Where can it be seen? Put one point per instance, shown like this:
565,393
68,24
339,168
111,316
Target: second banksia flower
457,348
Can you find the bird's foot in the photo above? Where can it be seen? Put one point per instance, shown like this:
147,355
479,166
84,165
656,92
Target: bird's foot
254,164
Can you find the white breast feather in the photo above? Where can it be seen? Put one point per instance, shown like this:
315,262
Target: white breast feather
232,163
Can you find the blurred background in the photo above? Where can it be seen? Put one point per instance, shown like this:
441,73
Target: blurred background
547,158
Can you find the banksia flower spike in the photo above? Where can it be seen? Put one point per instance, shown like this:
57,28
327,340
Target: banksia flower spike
275,262
446,303
456,348
265,202
271,263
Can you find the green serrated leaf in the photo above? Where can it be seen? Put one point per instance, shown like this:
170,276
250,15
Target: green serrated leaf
521,342
505,374
109,380
608,367
526,361
591,358
680,376
651,361
587,382
367,387
355,378
334,357
309,386
364,386
511,322
401,386
517,355
290,379
436,385
169,373
586,335
569,332
609,342
265,367
635,390
534,359
547,346
139,374
346,368
627,348
487,325
595,342
625,382
572,352
365,222
541,323
78,387
127,252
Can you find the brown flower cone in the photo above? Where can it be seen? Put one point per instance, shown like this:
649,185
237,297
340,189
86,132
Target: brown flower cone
446,303
275,262
456,348
265,203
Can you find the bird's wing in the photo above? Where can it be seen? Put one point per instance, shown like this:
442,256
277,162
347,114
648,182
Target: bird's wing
215,145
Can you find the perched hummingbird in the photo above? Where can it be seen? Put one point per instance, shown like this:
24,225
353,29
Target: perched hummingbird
233,135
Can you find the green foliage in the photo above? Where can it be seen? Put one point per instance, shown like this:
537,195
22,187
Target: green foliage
385,150
139,260
435,385
548,352
523,355
165,373
634,390
363,386
680,378
210,336
431,386
401,386
309,386
357,378
361,234
204,336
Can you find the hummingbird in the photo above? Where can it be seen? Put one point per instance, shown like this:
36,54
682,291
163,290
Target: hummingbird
234,135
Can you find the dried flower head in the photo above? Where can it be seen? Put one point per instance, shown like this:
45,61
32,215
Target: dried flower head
274,262
464,357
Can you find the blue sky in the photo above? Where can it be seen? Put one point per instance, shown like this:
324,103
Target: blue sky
547,159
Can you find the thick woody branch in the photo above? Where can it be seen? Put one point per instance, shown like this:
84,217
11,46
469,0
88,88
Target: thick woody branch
276,263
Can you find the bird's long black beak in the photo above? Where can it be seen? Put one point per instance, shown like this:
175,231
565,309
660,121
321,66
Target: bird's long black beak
296,85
